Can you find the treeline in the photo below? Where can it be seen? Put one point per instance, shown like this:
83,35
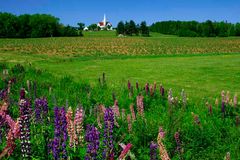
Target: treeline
130,28
33,26
196,29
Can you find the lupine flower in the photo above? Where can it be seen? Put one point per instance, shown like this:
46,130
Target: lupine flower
227,157
223,107
132,112
147,88
13,133
129,85
223,96
140,105
78,122
70,126
196,119
228,97
137,86
129,123
108,152
235,102
92,139
216,102
162,150
154,87
170,97
25,114
184,98
161,90
116,109
41,109
125,151
178,142
3,94
153,151
151,91
210,109
60,134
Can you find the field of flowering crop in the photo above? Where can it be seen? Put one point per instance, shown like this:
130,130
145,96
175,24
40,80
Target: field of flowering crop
100,46
47,117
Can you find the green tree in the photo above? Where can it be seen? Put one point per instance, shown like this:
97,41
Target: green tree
120,28
92,27
24,28
132,28
8,25
144,29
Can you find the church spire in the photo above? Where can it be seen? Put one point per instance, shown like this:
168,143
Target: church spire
104,20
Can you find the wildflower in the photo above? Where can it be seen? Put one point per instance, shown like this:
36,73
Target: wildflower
92,139
228,97
216,102
140,105
116,109
147,88
153,151
184,98
129,85
70,126
162,150
60,134
108,152
41,109
154,87
137,86
178,142
25,115
132,112
78,123
129,123
125,151
161,90
151,91
235,101
227,157
196,119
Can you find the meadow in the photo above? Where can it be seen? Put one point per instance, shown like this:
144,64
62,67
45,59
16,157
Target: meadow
142,81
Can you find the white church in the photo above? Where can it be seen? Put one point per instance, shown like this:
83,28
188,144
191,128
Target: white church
104,25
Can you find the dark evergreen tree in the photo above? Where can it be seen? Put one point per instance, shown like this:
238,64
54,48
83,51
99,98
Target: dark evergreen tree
144,29
120,28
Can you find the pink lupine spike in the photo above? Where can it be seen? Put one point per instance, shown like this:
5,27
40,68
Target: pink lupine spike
132,112
129,120
78,123
126,149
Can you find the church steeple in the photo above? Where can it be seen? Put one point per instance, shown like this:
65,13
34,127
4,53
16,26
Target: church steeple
104,20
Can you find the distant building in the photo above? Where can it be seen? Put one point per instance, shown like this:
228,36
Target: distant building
105,25
85,28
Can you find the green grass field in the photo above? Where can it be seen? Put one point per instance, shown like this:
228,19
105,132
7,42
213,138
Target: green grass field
209,65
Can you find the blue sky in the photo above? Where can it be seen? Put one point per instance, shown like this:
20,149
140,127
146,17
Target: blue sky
91,11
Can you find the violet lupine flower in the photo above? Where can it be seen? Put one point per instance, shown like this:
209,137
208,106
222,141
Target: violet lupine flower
41,109
147,88
161,90
137,86
223,107
153,151
178,142
129,85
92,139
24,122
3,94
60,134
108,152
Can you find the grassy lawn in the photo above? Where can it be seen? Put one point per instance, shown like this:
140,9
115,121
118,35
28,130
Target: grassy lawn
201,76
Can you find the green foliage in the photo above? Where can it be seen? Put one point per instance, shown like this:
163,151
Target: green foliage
144,30
121,28
93,27
195,29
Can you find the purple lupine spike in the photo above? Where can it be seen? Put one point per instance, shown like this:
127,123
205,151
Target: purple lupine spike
223,107
129,85
161,90
108,152
25,115
60,134
41,109
178,142
153,151
92,138
137,86
147,88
